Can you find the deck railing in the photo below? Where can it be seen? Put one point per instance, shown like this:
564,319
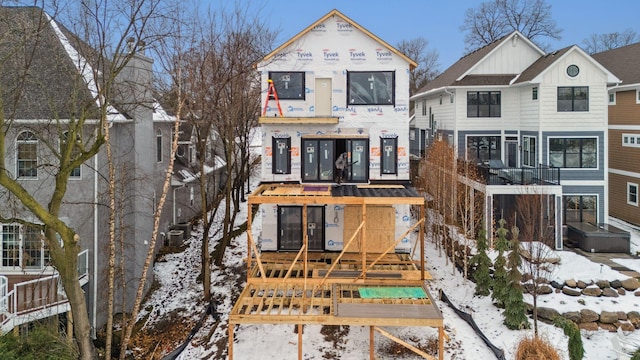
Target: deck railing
27,300
540,175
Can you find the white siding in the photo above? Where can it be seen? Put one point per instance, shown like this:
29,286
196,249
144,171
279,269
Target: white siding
529,109
511,57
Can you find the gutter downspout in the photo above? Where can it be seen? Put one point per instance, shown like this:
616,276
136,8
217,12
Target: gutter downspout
95,247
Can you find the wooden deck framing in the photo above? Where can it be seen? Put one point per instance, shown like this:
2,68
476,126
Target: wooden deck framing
346,288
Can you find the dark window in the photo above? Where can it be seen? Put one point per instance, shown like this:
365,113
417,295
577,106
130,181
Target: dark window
389,155
281,156
483,148
483,104
534,93
573,152
573,98
159,146
632,194
371,88
318,160
289,85
580,208
27,164
10,245
75,152
529,151
424,107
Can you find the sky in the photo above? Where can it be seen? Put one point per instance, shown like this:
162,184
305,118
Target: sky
439,21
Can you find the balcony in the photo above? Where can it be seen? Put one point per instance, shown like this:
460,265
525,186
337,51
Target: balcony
36,298
494,174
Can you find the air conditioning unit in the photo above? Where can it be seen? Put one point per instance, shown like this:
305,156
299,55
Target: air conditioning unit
175,237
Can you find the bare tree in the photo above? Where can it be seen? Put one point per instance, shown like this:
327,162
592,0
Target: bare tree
538,258
427,59
602,42
494,19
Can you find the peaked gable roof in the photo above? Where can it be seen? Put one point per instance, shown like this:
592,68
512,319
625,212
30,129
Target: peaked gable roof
538,68
456,73
334,12
623,62
40,80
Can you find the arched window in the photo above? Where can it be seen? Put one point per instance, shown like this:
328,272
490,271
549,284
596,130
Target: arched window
75,173
27,148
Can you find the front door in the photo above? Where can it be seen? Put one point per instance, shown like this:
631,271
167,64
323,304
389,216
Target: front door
323,97
290,222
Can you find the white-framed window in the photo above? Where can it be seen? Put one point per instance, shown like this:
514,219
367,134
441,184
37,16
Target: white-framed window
27,155
23,246
483,104
159,146
638,96
529,151
632,194
631,140
75,152
573,152
412,134
424,108
612,98
534,93
451,98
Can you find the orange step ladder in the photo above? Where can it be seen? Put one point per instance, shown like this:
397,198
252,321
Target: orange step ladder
270,92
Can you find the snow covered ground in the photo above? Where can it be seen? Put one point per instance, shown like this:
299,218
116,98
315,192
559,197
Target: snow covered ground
180,291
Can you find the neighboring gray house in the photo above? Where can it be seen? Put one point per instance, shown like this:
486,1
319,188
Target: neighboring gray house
37,112
536,121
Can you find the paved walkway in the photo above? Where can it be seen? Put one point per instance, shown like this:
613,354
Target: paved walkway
605,258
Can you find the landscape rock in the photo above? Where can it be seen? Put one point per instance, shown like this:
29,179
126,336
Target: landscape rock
630,284
634,318
592,291
616,284
544,289
603,284
581,284
555,284
608,317
526,277
621,291
622,315
571,283
626,326
608,327
588,316
637,293
571,292
573,316
609,292
547,313
590,326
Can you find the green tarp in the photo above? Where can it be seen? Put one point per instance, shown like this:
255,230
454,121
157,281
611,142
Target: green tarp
415,292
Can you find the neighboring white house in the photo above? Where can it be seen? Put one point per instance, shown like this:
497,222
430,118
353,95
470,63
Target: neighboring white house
510,105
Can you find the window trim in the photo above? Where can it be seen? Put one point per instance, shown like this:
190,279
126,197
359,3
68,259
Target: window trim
631,140
477,106
629,186
612,98
526,142
393,157
393,88
499,140
580,195
30,138
534,93
274,145
573,98
280,93
638,96
597,167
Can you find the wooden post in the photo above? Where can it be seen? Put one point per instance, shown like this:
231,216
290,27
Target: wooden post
421,240
299,341
305,244
363,242
230,341
249,208
372,352
441,343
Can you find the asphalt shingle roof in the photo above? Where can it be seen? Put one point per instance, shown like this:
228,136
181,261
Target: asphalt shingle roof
622,62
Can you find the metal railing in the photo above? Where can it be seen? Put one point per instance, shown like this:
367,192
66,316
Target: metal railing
540,175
